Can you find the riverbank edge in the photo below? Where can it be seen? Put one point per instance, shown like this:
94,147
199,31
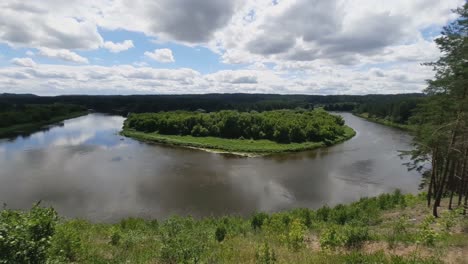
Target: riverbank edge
384,122
228,146
32,127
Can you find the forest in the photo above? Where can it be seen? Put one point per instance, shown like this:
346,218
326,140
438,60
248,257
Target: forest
21,114
282,126
124,104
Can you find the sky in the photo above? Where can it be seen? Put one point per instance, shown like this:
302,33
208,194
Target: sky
53,47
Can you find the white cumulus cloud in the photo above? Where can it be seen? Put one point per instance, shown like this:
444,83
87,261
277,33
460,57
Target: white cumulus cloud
62,54
161,55
24,62
118,47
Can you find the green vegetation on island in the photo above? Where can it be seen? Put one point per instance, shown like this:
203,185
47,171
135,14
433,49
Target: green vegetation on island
233,131
390,228
17,119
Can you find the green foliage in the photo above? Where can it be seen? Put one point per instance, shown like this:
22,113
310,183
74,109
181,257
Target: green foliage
188,240
66,243
449,218
25,237
282,126
427,235
399,231
258,219
21,114
220,233
116,237
357,257
265,254
355,236
183,240
350,236
296,235
332,238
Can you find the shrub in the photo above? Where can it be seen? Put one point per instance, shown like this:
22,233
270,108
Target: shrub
183,240
136,223
398,230
258,219
275,228
116,237
323,213
304,215
347,235
331,238
426,234
449,218
25,237
355,236
296,234
65,244
265,255
220,233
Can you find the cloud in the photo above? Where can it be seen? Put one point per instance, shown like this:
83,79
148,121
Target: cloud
62,54
185,21
24,62
48,79
161,55
118,47
294,46
337,31
51,24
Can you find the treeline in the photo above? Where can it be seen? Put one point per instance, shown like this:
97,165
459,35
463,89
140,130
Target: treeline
442,120
11,115
396,110
283,126
208,102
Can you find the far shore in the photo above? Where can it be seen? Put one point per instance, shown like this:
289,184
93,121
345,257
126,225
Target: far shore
32,127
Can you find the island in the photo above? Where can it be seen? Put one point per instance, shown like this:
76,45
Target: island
241,133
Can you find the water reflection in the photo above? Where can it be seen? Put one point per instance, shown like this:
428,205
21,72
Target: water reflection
85,169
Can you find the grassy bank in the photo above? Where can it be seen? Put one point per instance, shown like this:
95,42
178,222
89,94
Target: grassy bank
391,228
236,146
31,127
385,122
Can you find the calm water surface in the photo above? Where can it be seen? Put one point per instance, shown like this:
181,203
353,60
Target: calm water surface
85,169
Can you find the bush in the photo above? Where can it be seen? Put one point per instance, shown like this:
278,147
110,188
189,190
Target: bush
258,219
265,255
426,234
220,233
115,237
398,230
296,234
355,236
65,244
183,241
25,237
347,235
331,238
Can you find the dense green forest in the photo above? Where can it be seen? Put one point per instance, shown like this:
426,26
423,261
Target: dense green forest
208,102
394,110
20,114
282,126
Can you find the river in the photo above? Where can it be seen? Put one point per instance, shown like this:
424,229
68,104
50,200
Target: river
85,169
